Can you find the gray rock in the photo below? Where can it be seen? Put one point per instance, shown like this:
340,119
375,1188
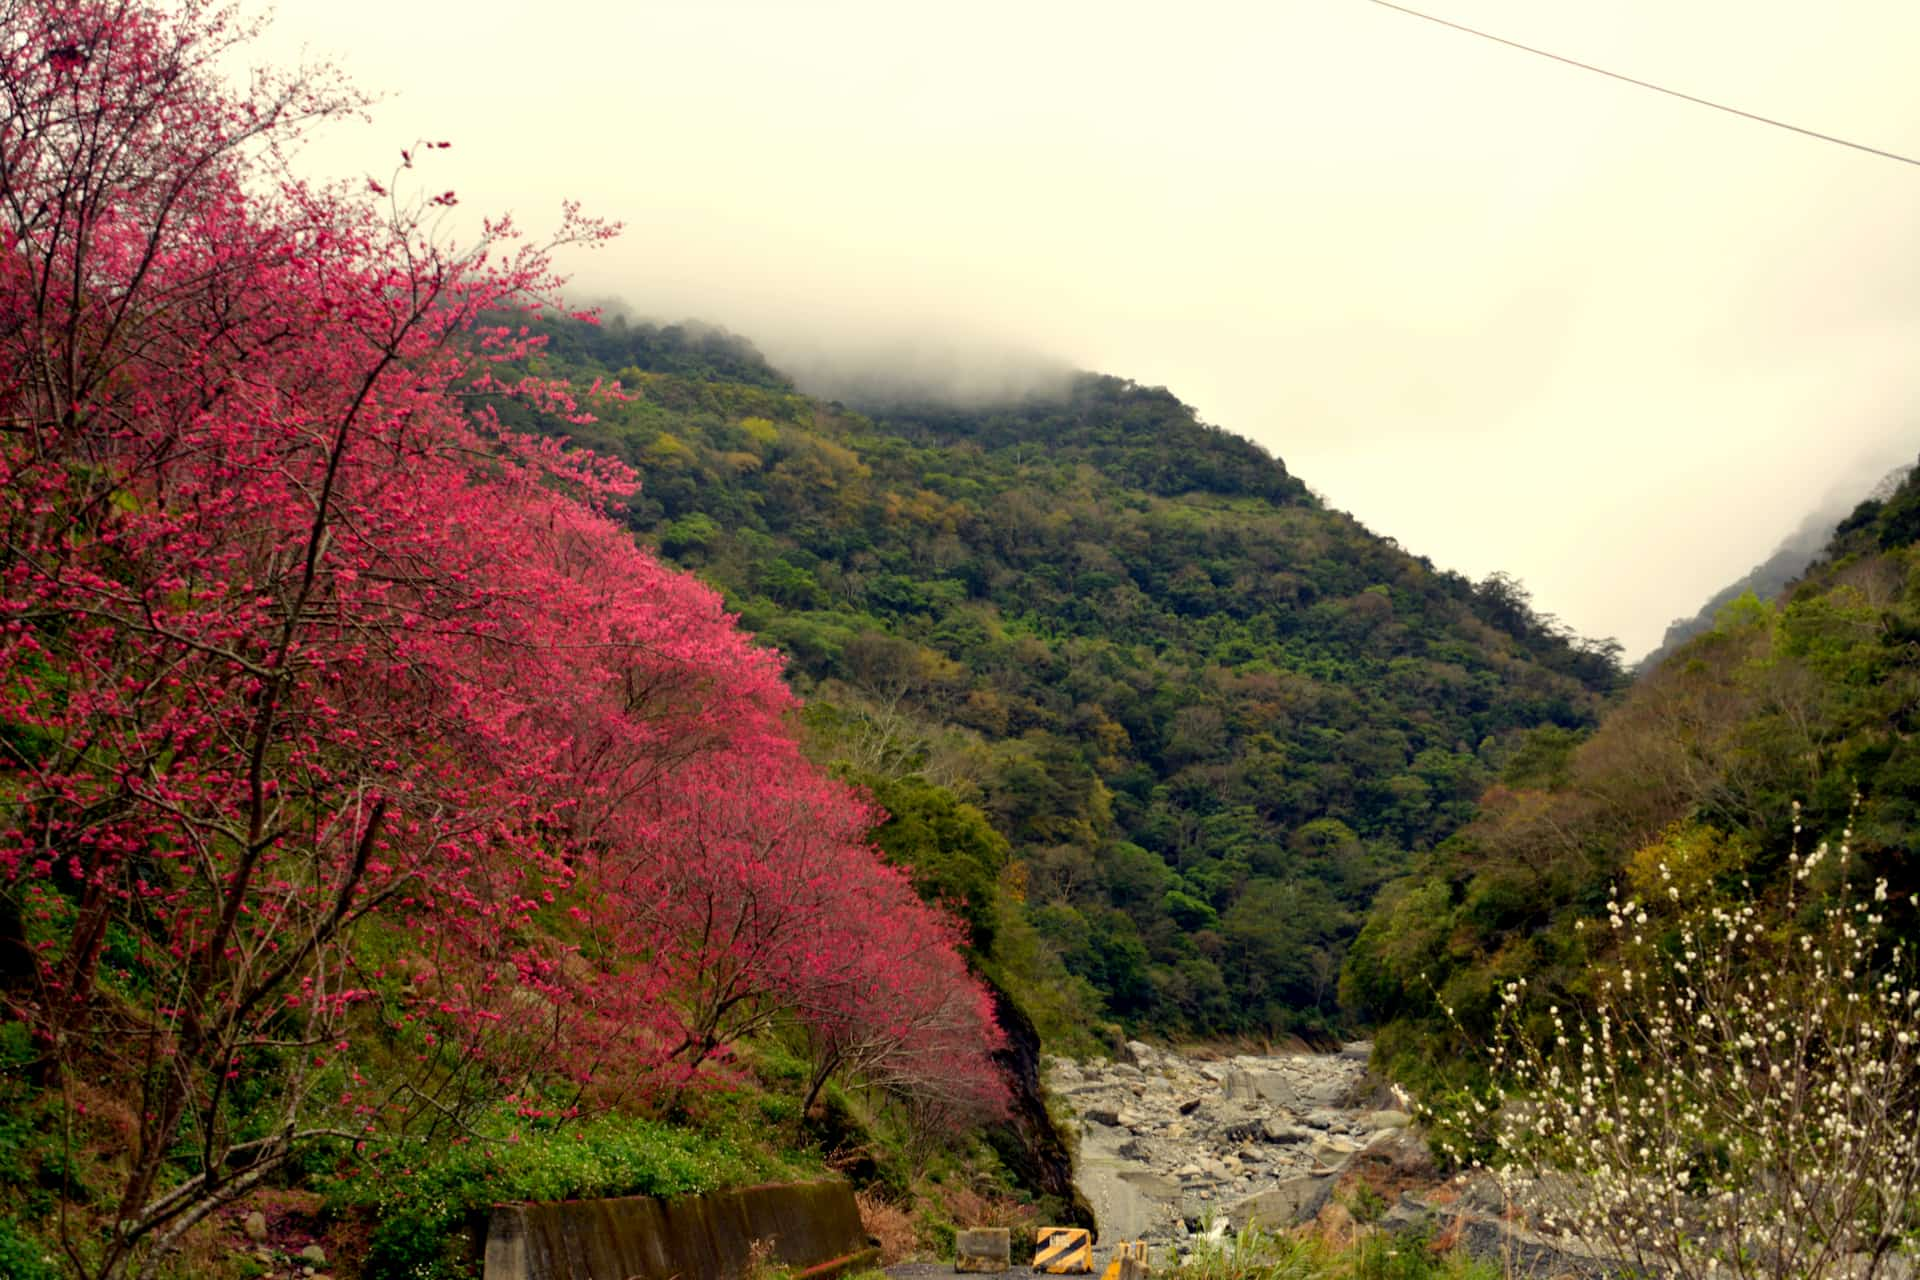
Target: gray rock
1482,1191
1333,1152
1272,1087
1402,1151
255,1225
1407,1214
315,1254
1324,1093
1291,1203
1150,1184
1527,1253
1274,1129
1371,1120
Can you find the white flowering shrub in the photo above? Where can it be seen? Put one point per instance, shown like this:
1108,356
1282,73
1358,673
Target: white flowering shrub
1739,1097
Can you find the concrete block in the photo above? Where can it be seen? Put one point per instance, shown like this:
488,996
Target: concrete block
814,1229
982,1249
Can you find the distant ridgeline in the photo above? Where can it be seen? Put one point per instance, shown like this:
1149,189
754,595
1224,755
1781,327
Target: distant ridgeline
1814,698
1158,721
1773,575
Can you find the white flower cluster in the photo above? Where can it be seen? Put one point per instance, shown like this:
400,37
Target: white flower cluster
1734,1102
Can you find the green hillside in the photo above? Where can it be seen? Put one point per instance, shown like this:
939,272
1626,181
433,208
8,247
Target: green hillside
1814,700
1772,576
1209,715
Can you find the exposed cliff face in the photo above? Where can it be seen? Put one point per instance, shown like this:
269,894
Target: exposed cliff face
1028,1142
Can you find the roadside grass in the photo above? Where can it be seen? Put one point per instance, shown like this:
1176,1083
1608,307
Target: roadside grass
1254,1254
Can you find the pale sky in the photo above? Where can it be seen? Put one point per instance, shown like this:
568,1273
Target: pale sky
1514,315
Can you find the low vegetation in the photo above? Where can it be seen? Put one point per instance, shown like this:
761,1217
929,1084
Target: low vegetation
1369,1254
1735,1099
1789,725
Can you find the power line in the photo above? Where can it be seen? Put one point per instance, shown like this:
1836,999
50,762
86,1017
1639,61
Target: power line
1645,84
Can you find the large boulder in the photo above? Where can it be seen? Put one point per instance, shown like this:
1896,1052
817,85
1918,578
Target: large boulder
1332,1153
1289,1204
1326,1091
1271,1087
1275,1128
1401,1153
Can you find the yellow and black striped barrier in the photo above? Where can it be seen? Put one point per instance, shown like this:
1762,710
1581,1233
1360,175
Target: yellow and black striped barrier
1127,1251
1063,1251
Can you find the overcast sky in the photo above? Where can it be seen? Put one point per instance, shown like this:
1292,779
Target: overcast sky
1514,315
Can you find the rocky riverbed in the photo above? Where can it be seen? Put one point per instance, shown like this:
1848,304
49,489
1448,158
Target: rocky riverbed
1170,1145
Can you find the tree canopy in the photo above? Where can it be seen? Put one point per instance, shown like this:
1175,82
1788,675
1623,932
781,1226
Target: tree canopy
345,734
1208,714
1788,724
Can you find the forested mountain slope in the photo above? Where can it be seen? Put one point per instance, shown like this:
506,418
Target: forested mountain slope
1768,579
1208,715
1813,700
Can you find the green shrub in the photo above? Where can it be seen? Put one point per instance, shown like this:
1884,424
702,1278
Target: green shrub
1410,1256
934,1234
21,1258
1253,1254
425,1200
1366,1205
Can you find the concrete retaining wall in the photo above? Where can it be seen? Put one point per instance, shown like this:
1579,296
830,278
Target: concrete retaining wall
812,1227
